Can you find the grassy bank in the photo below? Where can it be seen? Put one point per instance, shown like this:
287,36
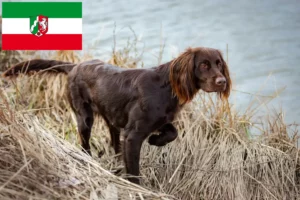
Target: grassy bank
214,156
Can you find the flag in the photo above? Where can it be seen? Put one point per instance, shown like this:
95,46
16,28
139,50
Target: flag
41,25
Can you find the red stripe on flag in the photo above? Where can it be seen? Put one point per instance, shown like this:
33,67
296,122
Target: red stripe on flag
45,42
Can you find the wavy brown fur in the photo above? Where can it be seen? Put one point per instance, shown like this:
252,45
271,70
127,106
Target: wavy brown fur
182,76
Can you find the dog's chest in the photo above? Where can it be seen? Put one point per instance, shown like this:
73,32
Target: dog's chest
171,111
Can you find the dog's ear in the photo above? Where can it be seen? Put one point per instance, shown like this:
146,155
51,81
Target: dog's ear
225,94
182,76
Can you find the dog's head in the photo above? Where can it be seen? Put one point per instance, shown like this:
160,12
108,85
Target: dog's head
199,68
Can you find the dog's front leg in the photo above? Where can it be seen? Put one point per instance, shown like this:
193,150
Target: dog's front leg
168,133
131,153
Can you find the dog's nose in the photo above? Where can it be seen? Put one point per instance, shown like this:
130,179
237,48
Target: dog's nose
220,81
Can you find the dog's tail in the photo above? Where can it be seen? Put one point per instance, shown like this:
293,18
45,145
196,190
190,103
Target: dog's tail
52,66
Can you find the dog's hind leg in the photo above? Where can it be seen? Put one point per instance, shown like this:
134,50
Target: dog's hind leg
85,120
80,102
114,136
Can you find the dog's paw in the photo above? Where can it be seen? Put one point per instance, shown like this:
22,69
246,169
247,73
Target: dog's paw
153,140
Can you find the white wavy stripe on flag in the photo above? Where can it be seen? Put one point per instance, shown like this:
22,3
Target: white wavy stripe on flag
34,24
56,26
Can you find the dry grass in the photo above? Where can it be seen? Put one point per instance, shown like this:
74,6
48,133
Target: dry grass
214,156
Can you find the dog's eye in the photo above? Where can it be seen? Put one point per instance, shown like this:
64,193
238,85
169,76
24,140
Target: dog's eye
220,65
203,66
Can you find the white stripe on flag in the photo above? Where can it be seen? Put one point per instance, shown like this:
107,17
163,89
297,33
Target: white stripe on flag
56,26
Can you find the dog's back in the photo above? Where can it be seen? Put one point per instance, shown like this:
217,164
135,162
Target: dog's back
110,91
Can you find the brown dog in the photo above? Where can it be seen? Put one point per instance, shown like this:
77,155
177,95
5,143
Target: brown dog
136,102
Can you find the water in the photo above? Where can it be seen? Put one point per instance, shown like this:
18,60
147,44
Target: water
263,39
